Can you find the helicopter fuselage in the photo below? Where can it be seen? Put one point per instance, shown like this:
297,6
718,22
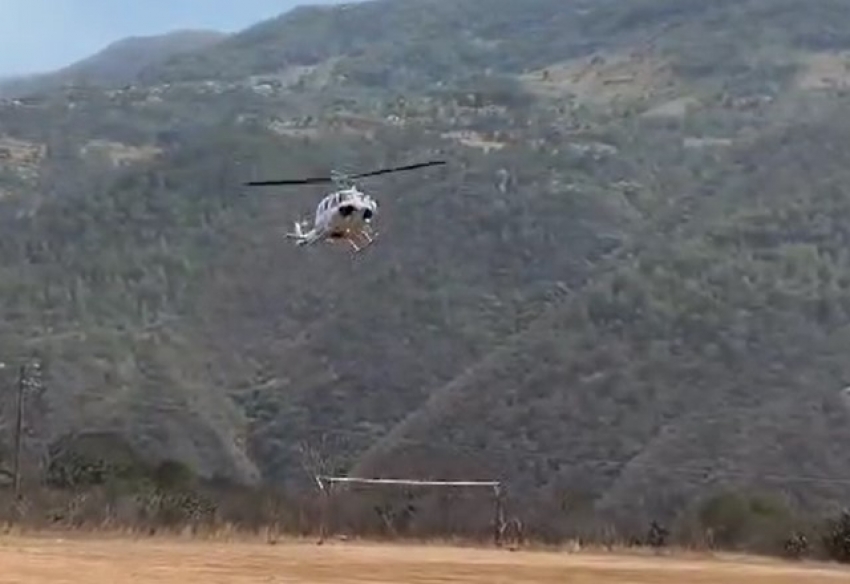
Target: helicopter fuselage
345,214
344,211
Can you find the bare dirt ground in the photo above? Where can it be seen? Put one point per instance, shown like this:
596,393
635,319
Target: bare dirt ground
43,560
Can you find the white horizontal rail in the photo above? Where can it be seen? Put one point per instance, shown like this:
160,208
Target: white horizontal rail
411,482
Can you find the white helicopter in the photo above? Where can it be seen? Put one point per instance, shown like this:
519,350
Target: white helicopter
345,214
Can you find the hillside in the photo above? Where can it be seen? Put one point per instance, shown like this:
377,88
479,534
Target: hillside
715,360
628,288
116,65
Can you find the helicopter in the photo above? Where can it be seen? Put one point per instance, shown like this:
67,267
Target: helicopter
344,214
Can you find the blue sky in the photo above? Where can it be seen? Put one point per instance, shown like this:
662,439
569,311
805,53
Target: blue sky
43,35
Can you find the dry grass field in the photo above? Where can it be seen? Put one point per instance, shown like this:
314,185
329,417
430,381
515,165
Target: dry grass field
55,560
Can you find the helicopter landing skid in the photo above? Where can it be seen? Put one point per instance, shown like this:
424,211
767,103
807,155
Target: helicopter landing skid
363,235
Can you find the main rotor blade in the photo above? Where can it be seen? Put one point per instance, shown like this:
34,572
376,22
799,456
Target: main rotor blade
323,179
399,168
302,181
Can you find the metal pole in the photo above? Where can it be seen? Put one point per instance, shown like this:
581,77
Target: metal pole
19,422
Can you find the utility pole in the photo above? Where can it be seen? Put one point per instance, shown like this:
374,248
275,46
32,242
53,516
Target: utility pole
19,422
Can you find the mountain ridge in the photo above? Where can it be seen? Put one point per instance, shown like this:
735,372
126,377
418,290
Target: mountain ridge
117,64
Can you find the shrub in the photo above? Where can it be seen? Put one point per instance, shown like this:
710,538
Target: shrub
836,540
757,522
796,546
658,535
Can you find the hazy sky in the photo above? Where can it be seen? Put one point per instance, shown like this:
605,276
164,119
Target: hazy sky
42,35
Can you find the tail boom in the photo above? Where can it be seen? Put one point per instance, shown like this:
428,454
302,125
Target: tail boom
300,237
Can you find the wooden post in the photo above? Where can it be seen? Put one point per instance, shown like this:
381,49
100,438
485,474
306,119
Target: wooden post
498,515
324,493
19,422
